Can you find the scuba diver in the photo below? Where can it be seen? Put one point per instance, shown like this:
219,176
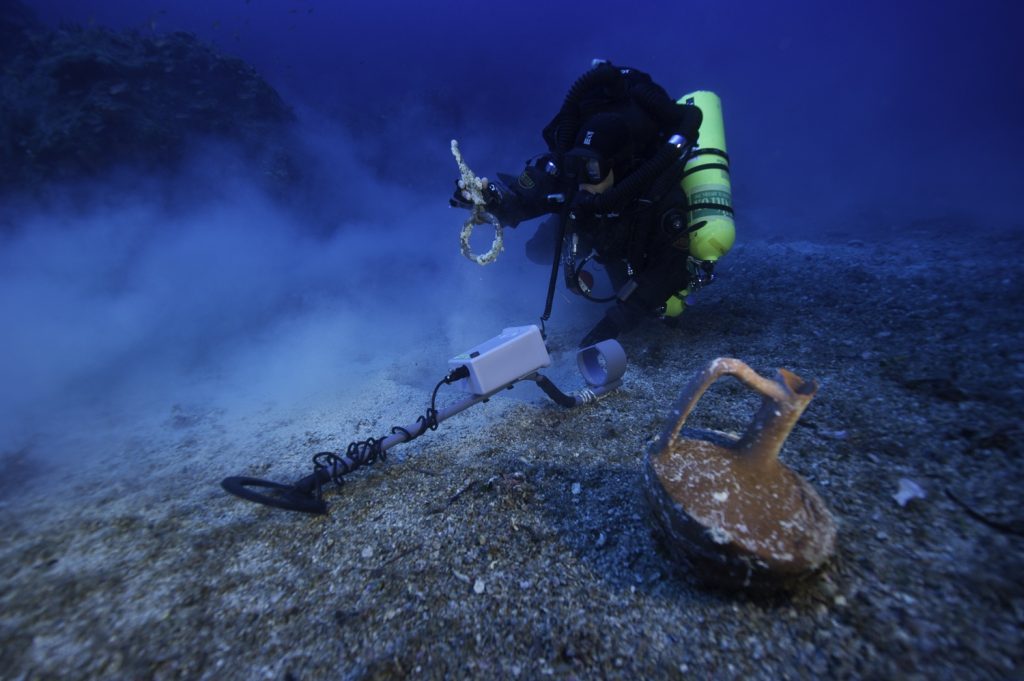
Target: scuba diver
612,178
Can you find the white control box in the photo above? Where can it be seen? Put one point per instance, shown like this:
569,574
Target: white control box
517,352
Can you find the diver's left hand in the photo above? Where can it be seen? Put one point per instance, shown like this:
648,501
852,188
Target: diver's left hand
603,330
583,205
618,319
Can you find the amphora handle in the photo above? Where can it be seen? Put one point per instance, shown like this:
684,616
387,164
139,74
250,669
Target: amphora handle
785,398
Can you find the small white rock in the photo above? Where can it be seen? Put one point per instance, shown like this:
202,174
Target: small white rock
908,490
367,552
478,586
576,488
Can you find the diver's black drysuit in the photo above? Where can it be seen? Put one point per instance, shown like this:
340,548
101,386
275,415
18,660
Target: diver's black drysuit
638,227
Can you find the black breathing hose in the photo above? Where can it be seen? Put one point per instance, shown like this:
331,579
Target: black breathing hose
653,99
569,117
620,195
650,96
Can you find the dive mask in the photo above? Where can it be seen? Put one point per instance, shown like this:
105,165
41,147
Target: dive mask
586,166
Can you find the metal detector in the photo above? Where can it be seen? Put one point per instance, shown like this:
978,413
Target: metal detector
516,354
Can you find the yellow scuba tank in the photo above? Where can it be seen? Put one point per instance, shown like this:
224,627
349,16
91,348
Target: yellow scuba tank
708,191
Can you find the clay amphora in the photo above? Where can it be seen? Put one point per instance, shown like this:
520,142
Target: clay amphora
730,509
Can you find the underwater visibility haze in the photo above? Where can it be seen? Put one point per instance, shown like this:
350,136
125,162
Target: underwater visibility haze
225,244
838,119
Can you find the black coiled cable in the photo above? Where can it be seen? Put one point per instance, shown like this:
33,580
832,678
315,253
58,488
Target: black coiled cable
365,452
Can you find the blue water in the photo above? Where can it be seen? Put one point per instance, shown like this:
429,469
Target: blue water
842,120
882,108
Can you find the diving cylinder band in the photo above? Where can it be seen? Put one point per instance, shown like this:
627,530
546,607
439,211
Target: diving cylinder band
708,190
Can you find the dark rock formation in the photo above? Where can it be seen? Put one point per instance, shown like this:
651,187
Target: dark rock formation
16,21
77,102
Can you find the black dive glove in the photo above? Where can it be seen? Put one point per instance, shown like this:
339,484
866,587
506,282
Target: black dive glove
458,200
583,206
603,330
494,195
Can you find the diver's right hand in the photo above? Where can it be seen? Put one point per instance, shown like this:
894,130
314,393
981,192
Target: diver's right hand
462,197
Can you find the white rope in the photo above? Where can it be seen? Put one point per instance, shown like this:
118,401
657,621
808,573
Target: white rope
473,189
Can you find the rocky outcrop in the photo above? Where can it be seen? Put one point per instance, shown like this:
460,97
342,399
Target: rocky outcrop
79,101
16,21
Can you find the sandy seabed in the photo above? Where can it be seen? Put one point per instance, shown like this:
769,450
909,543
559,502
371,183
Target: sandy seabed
514,542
